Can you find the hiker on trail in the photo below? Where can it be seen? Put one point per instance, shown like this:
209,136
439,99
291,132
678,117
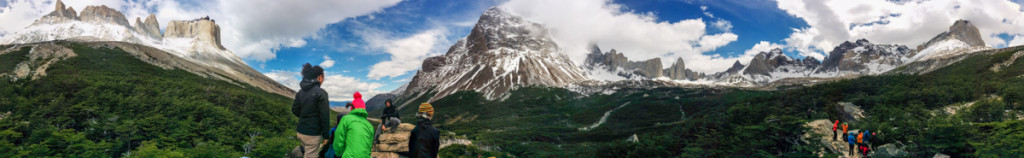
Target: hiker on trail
355,134
844,131
312,108
425,139
389,120
834,126
328,151
850,138
860,142
867,138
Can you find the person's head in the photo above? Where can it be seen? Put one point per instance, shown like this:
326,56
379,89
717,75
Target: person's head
387,103
312,73
357,101
349,106
426,111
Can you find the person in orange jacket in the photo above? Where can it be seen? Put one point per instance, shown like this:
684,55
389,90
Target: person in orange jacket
834,126
844,131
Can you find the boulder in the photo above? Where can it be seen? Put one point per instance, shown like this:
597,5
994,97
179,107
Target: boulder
888,150
395,140
850,112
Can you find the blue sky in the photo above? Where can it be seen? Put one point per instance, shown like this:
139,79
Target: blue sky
353,55
375,46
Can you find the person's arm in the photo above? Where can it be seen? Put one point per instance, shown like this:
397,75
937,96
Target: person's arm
412,142
325,114
339,138
437,143
296,109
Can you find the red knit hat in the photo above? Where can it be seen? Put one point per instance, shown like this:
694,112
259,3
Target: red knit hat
358,102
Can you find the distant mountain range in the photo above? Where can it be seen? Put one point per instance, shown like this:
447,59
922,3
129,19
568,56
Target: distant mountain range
504,52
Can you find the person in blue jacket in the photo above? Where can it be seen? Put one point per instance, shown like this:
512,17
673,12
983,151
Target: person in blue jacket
852,140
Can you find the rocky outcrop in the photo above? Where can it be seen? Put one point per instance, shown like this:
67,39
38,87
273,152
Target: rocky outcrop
863,57
39,59
961,30
393,141
765,63
615,61
60,14
103,15
204,30
150,27
677,70
503,51
962,40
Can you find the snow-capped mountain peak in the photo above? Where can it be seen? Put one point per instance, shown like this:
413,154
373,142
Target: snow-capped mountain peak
503,51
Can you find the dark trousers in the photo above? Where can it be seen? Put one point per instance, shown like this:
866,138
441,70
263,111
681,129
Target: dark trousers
844,136
852,151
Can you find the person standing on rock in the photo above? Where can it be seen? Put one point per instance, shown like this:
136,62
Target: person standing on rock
424,141
844,131
834,133
389,120
312,108
354,136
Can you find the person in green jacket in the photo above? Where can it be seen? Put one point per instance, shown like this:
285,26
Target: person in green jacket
354,135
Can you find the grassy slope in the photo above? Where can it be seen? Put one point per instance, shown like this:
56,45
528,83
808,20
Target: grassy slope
105,102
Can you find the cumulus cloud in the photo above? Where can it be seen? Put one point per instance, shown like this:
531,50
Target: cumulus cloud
407,54
908,23
640,36
289,79
339,87
328,62
253,29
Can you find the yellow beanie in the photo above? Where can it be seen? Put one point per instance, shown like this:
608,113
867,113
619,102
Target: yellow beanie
426,108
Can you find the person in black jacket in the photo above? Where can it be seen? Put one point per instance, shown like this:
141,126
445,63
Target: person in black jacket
424,141
312,108
389,120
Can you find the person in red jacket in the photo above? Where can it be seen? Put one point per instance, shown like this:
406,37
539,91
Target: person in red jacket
834,126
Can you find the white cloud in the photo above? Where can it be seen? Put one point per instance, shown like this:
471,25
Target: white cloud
328,63
252,29
640,36
407,54
909,23
722,24
338,87
289,79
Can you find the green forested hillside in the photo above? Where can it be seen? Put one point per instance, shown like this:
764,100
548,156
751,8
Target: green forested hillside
106,103
903,109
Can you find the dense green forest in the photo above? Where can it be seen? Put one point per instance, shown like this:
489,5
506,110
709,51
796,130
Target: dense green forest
674,122
107,103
